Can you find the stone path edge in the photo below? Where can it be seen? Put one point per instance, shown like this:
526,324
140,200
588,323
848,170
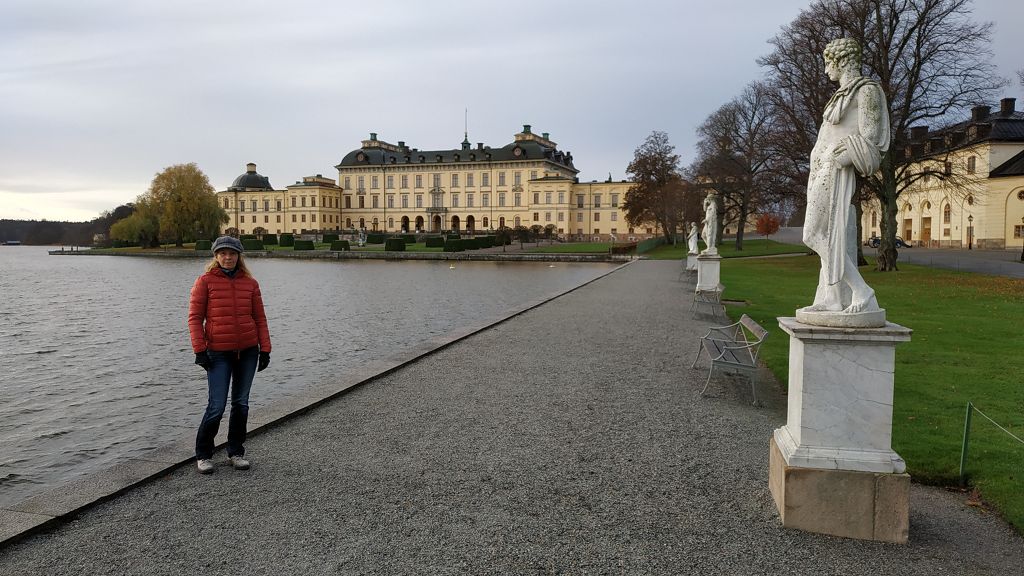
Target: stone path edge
58,505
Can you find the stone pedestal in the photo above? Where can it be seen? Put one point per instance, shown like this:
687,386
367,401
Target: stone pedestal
709,272
833,469
691,262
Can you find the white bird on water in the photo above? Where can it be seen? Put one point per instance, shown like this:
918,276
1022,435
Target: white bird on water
451,266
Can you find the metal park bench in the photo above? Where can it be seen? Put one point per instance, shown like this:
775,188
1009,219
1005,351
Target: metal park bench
733,347
711,299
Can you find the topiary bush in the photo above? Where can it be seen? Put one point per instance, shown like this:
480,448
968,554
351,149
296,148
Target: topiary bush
434,241
394,245
375,238
454,246
201,245
270,239
409,238
340,245
252,244
452,237
330,238
287,239
247,237
303,245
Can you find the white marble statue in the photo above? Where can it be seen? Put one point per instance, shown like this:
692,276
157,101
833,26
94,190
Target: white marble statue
691,238
711,223
853,136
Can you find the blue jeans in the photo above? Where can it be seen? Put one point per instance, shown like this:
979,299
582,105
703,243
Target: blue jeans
234,369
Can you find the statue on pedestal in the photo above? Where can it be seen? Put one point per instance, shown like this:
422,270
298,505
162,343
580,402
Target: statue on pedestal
711,223
853,136
691,238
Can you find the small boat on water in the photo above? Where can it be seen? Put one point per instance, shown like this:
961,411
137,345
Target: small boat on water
11,243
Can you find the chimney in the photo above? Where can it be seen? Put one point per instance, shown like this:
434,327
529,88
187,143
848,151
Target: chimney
479,145
546,135
1007,106
250,167
979,113
918,132
373,136
526,129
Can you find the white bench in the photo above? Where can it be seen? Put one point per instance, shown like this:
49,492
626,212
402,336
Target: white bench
709,298
734,347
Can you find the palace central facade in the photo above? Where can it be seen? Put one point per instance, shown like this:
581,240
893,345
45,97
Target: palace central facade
395,188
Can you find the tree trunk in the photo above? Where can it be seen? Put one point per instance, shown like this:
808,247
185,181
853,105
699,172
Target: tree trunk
887,254
859,209
740,228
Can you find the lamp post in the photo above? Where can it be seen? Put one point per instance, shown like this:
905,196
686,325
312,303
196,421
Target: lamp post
970,232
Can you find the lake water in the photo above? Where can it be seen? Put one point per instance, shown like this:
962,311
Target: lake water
96,366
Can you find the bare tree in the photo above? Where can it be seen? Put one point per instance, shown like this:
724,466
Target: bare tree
931,60
735,155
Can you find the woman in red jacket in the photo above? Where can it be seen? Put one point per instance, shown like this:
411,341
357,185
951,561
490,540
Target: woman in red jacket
231,340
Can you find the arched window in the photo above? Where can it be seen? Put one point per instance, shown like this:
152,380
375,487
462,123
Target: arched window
947,214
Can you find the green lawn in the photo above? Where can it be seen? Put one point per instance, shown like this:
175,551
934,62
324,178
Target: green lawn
966,346
728,249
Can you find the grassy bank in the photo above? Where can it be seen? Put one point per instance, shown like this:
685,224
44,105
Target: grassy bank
966,347
728,250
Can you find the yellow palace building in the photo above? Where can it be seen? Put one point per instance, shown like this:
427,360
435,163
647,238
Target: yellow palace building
395,188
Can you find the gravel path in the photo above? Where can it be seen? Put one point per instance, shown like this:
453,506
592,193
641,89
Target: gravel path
570,439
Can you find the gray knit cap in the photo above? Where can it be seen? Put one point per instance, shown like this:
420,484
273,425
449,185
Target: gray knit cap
227,242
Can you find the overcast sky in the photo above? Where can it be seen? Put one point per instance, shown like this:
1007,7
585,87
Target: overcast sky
97,96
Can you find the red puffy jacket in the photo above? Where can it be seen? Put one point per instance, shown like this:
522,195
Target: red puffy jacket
227,314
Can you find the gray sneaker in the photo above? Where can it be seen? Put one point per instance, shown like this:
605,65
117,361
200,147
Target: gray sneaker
205,466
238,463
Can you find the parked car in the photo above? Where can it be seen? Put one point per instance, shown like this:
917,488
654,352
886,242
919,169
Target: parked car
875,241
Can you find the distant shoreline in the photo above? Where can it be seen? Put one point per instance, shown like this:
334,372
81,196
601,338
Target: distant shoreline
356,255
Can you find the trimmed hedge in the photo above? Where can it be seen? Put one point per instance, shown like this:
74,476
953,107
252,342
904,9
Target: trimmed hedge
201,245
270,239
252,244
303,245
375,238
287,239
409,238
434,241
454,246
394,245
452,237
330,238
340,245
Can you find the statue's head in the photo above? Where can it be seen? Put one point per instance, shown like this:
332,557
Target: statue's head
843,53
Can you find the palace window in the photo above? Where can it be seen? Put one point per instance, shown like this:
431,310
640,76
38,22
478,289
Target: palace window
547,197
419,180
501,199
293,201
547,216
362,201
517,178
302,200
485,179
391,200
374,200
947,168
348,183
241,205
279,205
419,200
437,180
293,218
241,219
312,217
1018,231
597,200
561,197
469,200
485,200
518,199
615,200
615,216
348,202
536,197
533,174
501,178
391,182
266,205
455,180
455,200
579,216
597,216
874,219
579,200
361,182
312,201
561,216
405,180
469,179
971,164
374,182
536,216
226,203
405,200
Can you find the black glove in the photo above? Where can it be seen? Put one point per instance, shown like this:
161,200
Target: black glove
263,362
203,359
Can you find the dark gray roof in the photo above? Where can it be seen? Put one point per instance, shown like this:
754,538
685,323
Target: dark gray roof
997,126
251,181
523,150
1012,167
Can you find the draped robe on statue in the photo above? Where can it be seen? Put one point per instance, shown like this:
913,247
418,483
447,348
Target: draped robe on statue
856,119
